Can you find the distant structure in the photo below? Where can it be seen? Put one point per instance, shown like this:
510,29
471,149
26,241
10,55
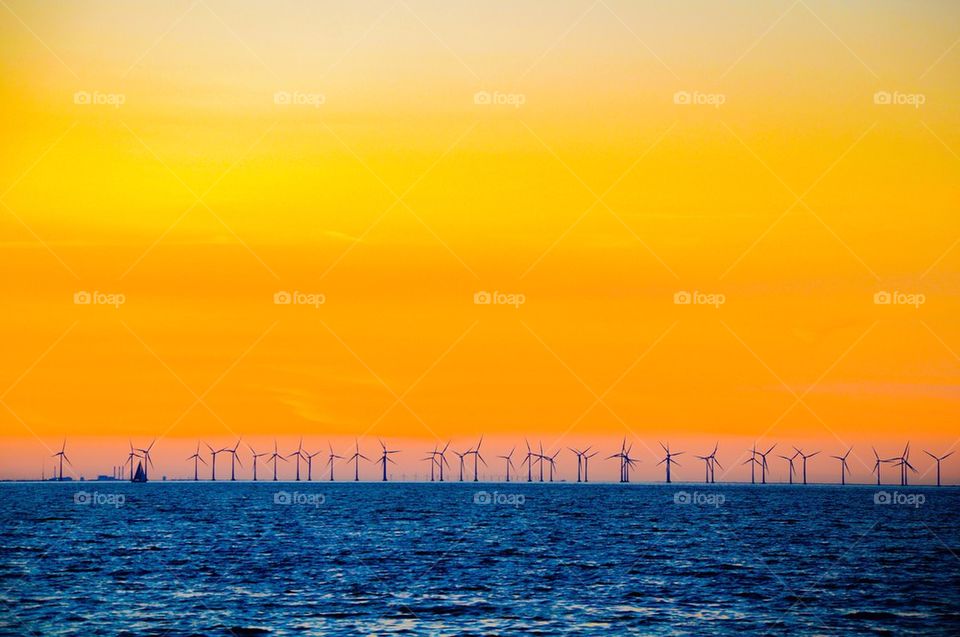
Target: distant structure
790,459
213,461
460,456
355,459
904,463
668,459
386,458
843,466
710,464
234,460
938,460
298,454
62,455
147,461
507,461
330,460
586,465
804,457
255,456
274,457
309,458
197,459
476,458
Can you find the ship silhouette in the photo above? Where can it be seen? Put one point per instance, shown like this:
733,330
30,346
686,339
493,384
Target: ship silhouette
140,475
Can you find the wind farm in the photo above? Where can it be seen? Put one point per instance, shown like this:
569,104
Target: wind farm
543,464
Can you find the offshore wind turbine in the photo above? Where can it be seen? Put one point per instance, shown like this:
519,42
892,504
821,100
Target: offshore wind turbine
668,459
255,456
355,459
461,456
843,465
432,457
528,461
213,461
622,456
938,462
299,455
507,461
579,455
789,459
805,457
709,464
878,463
274,457
441,457
763,463
477,457
309,459
386,458
234,460
146,458
586,464
197,459
130,458
553,463
330,459
62,454
752,461
541,458
904,463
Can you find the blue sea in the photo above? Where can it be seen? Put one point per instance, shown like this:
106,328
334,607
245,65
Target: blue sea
179,558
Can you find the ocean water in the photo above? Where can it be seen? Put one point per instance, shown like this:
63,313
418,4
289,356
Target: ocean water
103,558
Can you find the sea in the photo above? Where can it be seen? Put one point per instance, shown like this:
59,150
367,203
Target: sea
319,558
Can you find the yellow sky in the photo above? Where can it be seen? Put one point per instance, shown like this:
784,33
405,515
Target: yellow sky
197,158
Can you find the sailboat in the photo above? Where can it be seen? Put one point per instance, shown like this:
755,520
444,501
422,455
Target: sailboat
140,475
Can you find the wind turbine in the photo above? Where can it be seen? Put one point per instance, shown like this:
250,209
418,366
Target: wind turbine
541,457
386,457
843,465
792,470
622,455
432,457
62,454
330,458
528,462
586,464
461,456
904,463
255,456
355,458
507,461
669,459
441,458
553,463
130,457
753,462
763,463
299,454
147,461
274,457
234,460
309,458
709,462
938,462
477,457
805,457
213,461
197,459
579,455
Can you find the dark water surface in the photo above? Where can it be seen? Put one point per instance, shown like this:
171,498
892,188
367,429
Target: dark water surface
551,559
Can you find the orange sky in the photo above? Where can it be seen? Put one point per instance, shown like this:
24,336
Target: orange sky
198,158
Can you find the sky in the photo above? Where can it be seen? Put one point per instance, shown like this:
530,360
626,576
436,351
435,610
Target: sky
172,174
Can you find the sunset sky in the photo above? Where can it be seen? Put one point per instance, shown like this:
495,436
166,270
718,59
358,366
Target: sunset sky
393,159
